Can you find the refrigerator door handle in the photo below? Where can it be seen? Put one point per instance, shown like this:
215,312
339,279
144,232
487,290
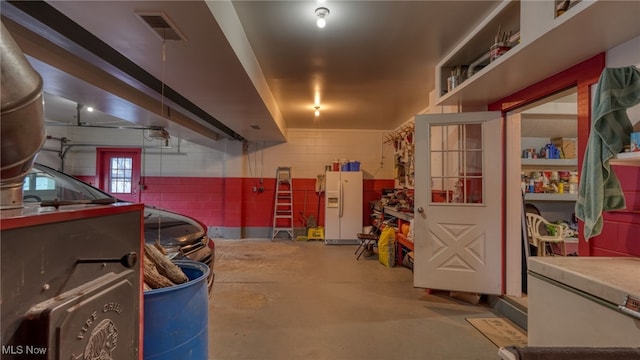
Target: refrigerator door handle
341,211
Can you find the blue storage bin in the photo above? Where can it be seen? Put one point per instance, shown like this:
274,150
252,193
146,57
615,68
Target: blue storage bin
176,318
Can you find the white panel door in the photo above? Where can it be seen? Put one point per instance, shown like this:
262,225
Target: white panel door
458,225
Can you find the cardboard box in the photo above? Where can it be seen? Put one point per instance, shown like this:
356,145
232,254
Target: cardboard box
568,147
635,141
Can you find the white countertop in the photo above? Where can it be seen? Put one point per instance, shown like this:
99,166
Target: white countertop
609,278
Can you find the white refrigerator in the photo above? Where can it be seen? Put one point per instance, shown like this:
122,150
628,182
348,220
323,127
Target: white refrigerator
343,207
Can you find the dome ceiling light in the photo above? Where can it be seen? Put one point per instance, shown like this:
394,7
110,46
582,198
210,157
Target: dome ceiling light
321,13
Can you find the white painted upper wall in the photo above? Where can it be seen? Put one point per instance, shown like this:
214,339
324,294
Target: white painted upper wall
307,152
181,158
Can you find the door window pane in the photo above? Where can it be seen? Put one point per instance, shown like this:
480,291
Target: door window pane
473,137
473,162
453,162
436,138
457,163
452,140
437,163
121,175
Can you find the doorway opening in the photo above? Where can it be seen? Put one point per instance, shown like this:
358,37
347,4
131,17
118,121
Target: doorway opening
542,172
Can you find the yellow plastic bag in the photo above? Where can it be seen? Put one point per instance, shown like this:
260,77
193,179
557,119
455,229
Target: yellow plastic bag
387,247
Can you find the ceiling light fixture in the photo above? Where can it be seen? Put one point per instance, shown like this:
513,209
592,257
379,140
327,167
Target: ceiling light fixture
321,13
317,112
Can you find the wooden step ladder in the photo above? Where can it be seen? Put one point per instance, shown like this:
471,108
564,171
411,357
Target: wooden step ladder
283,203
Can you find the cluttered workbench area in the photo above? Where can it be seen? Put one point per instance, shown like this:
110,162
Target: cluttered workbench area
395,209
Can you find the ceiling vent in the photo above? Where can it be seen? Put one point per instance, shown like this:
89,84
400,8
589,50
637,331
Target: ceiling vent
161,26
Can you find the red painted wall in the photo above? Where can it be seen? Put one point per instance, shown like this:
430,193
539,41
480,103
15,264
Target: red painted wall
201,198
621,229
231,202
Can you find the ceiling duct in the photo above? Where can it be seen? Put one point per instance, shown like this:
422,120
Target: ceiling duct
161,26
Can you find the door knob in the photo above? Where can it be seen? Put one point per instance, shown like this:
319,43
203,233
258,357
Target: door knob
421,210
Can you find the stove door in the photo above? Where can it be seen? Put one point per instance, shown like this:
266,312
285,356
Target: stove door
94,321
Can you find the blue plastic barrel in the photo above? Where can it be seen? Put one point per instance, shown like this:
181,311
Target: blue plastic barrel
354,166
176,317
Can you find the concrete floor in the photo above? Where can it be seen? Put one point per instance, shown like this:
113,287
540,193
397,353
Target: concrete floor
306,300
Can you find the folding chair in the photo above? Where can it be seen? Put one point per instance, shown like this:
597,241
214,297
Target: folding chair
366,240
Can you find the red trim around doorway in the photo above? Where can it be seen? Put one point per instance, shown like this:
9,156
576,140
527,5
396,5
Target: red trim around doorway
582,76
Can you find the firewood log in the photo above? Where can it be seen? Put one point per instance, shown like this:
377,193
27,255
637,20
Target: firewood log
165,267
152,277
160,247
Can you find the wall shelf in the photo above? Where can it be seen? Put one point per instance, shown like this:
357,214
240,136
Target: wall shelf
550,197
626,159
564,163
542,36
505,16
